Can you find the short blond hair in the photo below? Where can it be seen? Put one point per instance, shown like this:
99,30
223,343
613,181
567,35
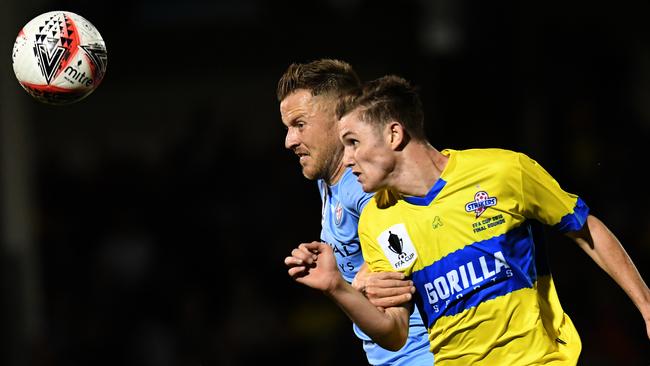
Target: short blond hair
319,77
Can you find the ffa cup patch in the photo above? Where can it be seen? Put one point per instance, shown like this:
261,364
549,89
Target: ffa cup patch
397,246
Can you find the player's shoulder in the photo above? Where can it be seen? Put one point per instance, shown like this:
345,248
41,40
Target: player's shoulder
351,194
486,157
378,207
482,153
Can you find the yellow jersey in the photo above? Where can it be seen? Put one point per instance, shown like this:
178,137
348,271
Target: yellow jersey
474,250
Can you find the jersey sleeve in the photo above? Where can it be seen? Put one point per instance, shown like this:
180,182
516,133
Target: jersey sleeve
544,200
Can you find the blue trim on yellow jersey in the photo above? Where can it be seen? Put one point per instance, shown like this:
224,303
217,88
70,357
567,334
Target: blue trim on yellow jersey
484,270
426,200
576,220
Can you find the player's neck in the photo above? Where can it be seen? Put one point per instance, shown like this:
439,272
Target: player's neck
336,173
419,168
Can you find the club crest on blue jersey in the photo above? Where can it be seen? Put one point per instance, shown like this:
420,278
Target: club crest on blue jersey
482,201
398,247
338,214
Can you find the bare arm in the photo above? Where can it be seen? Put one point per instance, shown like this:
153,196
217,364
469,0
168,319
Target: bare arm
313,264
605,249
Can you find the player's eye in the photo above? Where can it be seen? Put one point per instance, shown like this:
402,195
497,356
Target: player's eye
299,124
350,142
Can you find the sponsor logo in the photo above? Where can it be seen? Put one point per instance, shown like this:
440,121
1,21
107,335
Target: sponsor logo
471,275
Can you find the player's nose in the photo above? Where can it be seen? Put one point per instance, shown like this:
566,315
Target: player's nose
348,157
291,140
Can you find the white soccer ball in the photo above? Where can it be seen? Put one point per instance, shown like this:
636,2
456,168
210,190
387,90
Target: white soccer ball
59,57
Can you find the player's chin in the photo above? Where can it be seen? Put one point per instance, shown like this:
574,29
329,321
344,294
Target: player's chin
309,172
367,186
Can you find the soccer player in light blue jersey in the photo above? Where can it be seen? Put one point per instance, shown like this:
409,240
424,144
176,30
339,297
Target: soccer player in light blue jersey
308,95
464,225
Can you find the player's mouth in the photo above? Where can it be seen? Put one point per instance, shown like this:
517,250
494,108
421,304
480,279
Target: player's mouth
302,157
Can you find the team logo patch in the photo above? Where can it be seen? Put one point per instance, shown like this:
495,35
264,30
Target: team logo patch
338,213
397,246
482,201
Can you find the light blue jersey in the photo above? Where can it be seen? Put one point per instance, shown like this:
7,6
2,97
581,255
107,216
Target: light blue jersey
342,206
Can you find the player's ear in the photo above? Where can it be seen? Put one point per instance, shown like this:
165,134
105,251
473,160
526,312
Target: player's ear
397,136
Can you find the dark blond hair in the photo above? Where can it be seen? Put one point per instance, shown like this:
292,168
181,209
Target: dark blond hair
389,98
319,77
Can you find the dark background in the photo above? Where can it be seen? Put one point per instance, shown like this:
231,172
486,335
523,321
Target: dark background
148,223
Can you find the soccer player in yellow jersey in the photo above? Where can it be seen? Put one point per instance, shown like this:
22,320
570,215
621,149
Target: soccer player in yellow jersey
465,227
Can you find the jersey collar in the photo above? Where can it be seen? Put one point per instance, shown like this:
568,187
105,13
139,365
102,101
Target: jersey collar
426,200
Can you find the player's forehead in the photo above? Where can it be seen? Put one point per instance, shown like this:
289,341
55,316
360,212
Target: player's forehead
302,104
351,123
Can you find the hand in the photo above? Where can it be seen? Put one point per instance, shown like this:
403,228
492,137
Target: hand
359,280
384,289
314,265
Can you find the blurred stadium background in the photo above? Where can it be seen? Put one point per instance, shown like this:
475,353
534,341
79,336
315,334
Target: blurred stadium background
147,225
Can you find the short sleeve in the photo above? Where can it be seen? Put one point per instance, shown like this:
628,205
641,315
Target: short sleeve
545,201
